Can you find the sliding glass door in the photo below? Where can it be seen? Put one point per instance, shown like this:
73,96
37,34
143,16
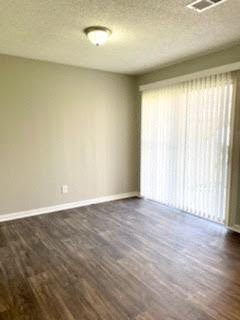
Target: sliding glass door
185,145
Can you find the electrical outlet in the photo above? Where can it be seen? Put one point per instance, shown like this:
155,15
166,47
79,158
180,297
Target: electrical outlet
64,189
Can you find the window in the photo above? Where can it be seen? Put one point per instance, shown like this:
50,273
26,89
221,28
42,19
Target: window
185,145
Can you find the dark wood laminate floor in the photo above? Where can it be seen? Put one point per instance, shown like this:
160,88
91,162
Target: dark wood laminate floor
129,259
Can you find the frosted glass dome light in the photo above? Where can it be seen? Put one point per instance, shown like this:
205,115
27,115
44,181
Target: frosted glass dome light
98,35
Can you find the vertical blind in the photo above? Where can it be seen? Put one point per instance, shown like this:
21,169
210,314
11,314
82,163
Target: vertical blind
185,140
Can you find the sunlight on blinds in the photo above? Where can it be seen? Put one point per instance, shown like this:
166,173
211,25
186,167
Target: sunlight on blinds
184,145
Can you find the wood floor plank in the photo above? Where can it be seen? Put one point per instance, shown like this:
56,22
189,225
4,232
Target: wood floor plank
127,259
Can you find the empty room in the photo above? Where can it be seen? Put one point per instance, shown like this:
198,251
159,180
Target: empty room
119,160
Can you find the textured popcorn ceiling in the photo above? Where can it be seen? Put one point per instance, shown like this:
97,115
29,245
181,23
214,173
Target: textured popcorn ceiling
146,33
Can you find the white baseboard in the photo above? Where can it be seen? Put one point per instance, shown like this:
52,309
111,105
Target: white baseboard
65,206
235,228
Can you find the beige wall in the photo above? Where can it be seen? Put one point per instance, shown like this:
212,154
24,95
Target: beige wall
212,60
64,125
67,125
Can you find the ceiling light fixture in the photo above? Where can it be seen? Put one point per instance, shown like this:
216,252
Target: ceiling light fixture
98,35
